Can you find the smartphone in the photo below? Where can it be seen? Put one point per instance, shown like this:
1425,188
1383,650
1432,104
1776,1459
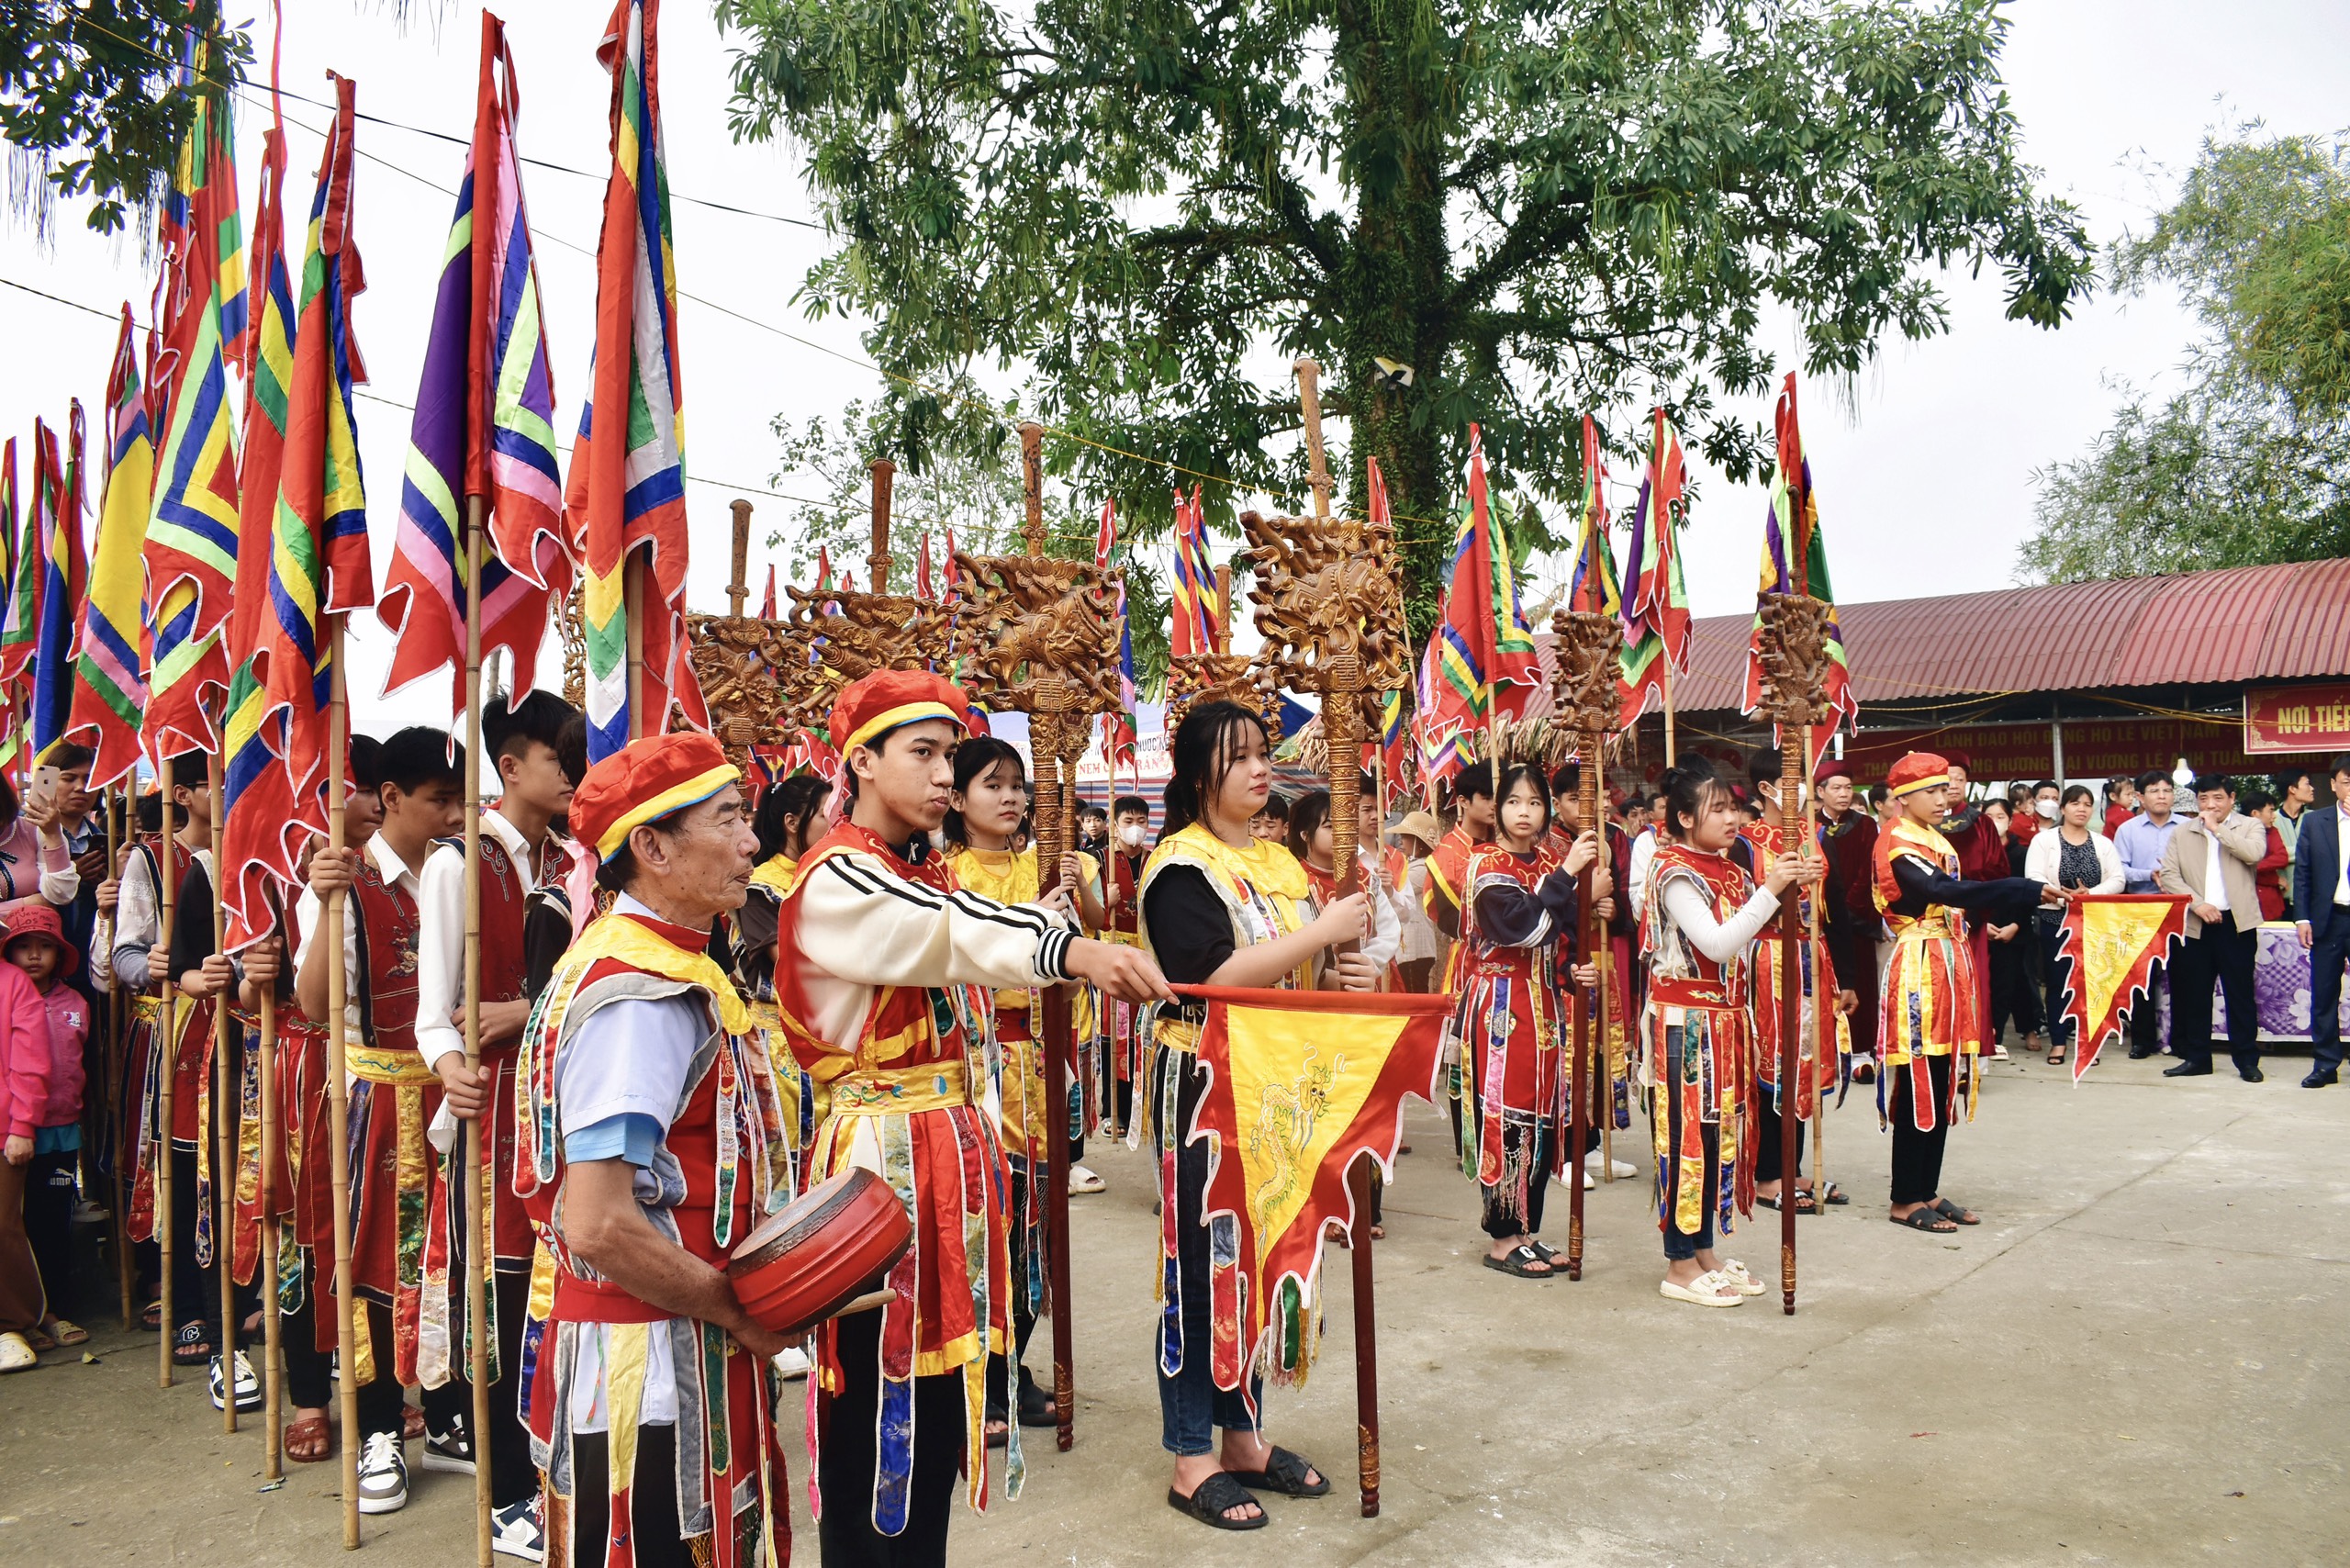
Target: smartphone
44,787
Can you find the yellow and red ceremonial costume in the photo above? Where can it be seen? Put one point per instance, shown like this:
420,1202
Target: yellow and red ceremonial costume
1819,1049
1265,892
772,879
1025,1108
1931,1004
724,1144
303,1186
906,1101
1511,1020
1710,1004
394,1097
190,1057
1122,1021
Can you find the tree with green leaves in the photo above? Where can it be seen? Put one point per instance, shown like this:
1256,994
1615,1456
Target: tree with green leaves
92,104
2250,462
1506,212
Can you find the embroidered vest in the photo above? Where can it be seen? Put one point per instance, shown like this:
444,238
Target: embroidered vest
1680,974
387,931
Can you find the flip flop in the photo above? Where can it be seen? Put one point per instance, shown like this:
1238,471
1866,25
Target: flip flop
1925,1219
1955,1215
1517,1263
1211,1497
191,1348
309,1440
1284,1472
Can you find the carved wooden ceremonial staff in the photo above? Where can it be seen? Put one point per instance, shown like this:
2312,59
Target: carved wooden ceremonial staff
1794,659
749,682
1039,635
1584,698
1331,620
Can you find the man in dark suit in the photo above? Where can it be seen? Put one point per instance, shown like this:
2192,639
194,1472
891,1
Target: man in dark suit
2321,906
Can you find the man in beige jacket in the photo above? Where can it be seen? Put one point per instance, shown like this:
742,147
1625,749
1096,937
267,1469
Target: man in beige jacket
2209,860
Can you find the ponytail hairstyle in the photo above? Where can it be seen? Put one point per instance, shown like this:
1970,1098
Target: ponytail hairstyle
1689,789
1306,815
974,756
1207,743
786,815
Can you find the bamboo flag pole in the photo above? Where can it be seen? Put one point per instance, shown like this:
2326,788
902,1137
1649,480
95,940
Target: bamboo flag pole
224,1143
1668,707
632,613
338,1100
166,1085
273,1138
476,1253
1823,1000
117,1068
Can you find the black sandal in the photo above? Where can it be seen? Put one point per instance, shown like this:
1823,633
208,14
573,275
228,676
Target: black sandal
1805,1203
1284,1472
1517,1263
1036,1404
191,1348
1835,1194
1955,1215
1926,1219
1211,1497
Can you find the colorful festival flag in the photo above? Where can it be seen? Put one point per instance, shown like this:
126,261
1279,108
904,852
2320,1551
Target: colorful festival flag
20,627
64,584
318,562
2111,943
1482,657
923,586
1300,1085
111,646
261,825
1792,499
1656,608
1119,740
626,493
767,605
201,315
1197,612
483,425
1594,589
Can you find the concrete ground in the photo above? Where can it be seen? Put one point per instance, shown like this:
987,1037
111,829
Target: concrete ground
2137,1359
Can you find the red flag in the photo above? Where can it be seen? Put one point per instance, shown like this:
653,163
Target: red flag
922,587
767,605
1105,537
2112,942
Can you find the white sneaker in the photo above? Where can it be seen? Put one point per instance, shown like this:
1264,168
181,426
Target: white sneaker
1589,1180
1619,1167
518,1531
791,1363
383,1475
1081,1182
248,1385
452,1451
88,1212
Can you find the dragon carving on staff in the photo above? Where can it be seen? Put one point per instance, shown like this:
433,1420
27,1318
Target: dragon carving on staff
1195,679
1036,633
828,639
1794,659
1585,696
738,660
1326,592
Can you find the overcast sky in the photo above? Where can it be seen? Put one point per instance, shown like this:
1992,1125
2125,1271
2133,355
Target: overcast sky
1924,477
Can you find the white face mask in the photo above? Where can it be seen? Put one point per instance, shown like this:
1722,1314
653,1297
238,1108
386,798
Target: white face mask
1132,835
2046,809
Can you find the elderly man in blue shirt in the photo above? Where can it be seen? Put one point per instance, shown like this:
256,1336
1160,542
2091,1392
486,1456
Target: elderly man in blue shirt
2140,843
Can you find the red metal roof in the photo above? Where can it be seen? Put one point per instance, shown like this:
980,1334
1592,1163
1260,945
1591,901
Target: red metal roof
2244,623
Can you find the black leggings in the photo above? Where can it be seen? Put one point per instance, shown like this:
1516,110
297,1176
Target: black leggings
1768,1132
651,1500
1918,1156
1500,1221
849,1459
309,1382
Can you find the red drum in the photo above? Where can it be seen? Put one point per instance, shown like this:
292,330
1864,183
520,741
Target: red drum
820,1253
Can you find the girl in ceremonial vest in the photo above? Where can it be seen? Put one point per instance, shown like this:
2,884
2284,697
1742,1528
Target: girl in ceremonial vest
1122,898
394,1095
991,795
1929,1027
1220,907
1517,929
1698,931
883,966
1821,1046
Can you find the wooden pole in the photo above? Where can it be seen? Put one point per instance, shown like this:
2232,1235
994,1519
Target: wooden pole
1309,408
225,1048
738,591
884,474
1668,708
1223,610
1579,1103
1596,943
1046,738
1790,1020
476,1254
117,1068
166,1085
1819,1051
339,1104
640,724
1031,484
273,1138
1366,1342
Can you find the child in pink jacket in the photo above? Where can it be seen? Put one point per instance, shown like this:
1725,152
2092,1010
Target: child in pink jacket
43,1026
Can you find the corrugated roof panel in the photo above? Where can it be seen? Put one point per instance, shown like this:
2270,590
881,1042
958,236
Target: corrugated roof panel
2202,628
2308,629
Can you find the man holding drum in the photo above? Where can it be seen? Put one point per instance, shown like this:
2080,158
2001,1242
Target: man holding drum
647,1113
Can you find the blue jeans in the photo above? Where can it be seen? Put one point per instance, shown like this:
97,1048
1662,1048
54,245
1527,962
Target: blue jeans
1191,1406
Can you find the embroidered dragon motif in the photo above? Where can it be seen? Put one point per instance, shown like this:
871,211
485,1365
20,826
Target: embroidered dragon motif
1284,1127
